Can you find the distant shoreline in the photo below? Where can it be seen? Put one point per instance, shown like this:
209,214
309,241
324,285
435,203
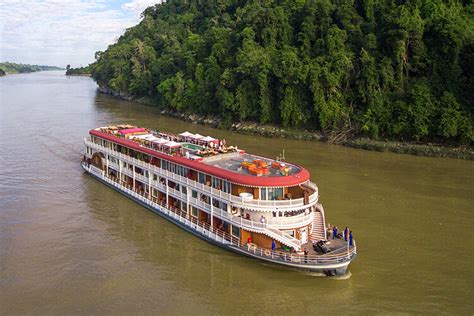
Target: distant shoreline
8,68
26,72
78,75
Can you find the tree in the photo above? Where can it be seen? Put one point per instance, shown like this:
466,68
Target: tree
378,68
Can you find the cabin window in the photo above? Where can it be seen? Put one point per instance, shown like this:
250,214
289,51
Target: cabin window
194,194
147,174
155,177
263,193
194,211
184,189
124,164
235,231
182,171
219,204
226,186
162,180
201,178
164,164
172,167
274,193
216,183
155,192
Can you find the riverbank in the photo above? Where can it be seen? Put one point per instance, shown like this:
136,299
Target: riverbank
267,130
78,75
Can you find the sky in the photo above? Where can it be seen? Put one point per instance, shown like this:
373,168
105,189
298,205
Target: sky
61,32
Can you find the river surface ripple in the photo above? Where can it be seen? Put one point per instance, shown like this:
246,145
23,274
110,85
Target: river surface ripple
68,244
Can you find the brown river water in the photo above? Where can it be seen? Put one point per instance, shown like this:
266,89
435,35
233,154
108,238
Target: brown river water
68,244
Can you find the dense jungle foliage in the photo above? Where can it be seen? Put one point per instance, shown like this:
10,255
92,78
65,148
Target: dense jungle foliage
78,71
391,69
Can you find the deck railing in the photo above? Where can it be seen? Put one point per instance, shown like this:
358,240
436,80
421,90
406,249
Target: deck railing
257,204
226,238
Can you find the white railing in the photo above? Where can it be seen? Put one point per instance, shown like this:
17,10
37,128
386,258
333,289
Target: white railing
256,204
223,237
290,222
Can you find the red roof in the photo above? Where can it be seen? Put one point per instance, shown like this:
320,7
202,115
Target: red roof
281,181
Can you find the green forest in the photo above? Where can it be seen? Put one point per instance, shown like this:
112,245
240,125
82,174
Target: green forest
78,71
398,70
14,68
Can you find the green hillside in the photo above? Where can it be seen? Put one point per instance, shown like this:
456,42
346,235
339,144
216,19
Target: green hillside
14,68
385,69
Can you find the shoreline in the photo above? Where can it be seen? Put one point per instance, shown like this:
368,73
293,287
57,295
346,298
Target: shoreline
273,131
78,75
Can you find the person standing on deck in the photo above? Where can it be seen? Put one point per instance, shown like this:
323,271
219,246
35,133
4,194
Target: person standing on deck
334,232
346,233
351,240
273,245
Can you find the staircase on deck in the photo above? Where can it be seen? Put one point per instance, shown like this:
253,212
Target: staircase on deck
319,224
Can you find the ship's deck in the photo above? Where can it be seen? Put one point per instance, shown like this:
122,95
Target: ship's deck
208,150
336,246
233,162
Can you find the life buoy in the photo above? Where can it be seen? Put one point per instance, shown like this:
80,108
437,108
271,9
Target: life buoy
267,253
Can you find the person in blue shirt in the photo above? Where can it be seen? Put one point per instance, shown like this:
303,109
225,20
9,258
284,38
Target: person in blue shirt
273,245
351,239
334,232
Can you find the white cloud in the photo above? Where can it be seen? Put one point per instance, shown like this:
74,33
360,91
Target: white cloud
138,6
60,32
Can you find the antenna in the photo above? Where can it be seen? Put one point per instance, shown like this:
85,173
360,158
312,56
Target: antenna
281,157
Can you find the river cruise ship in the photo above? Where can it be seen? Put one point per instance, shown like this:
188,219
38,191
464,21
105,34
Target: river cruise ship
256,206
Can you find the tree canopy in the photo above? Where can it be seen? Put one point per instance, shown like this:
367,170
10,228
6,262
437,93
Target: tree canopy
392,69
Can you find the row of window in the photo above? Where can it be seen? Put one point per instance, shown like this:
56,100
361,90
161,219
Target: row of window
216,183
271,193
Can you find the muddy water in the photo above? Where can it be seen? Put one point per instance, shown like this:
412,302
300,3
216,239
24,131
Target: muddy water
68,244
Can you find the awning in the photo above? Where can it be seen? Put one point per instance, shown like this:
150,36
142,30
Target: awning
196,136
207,139
142,136
172,144
160,141
186,134
151,138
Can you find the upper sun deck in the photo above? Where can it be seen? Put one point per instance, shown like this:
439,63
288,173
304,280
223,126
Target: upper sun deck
248,164
207,154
